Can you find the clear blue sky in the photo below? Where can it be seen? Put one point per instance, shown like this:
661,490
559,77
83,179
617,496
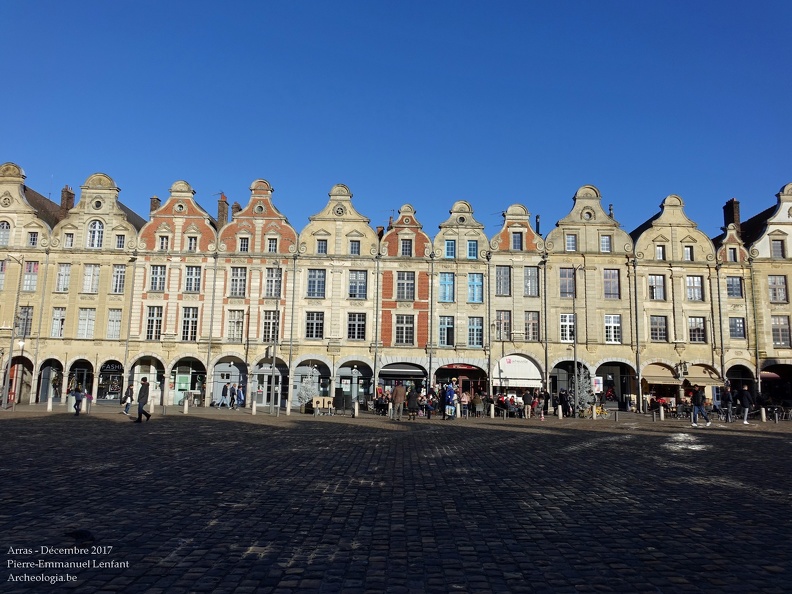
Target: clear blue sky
420,102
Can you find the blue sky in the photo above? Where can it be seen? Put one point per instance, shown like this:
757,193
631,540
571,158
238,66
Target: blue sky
406,102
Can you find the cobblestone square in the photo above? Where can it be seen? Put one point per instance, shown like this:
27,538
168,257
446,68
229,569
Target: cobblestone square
228,502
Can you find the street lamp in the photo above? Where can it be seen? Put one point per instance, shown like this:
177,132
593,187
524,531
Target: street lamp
574,335
7,379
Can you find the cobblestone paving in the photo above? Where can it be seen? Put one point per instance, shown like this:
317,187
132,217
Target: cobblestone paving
228,502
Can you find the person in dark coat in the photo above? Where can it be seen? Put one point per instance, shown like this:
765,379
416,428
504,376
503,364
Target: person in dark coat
143,395
747,402
412,404
399,394
697,399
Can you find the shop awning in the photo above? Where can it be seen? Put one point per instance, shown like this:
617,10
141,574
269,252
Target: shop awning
516,372
402,370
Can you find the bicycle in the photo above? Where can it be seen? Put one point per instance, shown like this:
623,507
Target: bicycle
599,410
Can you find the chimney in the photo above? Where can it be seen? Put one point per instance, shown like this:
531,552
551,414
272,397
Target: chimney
155,204
537,225
610,210
222,211
380,231
235,208
67,199
731,213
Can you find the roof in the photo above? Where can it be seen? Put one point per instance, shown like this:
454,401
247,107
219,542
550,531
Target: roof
48,211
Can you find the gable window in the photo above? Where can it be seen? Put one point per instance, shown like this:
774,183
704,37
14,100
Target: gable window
695,289
244,244
68,240
238,281
33,237
517,241
164,243
192,279
354,247
660,252
472,249
611,283
731,254
272,245
120,242
157,277
316,283
446,337
450,248
321,246
446,287
405,329
606,244
570,242
405,286
503,281
357,284
687,253
475,287
777,249
406,247
5,233
734,287
314,324
95,234
356,326
476,331
91,278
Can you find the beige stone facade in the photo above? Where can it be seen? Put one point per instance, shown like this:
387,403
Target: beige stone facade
94,294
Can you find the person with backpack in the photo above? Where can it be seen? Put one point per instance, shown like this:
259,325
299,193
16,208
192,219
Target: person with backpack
698,398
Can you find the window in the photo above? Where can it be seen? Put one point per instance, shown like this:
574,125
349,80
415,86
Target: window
192,279
30,280
737,328
86,318
476,332
475,287
531,326
316,283
405,286
154,322
734,286
5,233
405,329
272,245
687,253
446,337
58,322
238,281
731,254
503,325
657,287
567,283
472,249
658,328
25,320
269,330
613,332
95,235
354,247
777,249
321,246
114,324
531,284
357,284
164,243
119,277
696,329
272,286
406,247
314,324
244,244
503,281
356,326
695,290
610,279
446,287
91,278
192,244
236,325
780,325
606,244
120,242
517,241
158,277
450,248
68,240
190,324
33,238
660,252
778,288
567,327
63,277
570,242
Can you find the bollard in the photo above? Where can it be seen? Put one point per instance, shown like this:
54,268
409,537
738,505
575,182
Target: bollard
764,414
253,407
616,416
355,410
662,414
186,405
775,414
390,410
49,404
560,412
654,416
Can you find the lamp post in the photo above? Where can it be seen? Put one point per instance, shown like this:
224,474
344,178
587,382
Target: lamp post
276,290
355,376
574,335
6,382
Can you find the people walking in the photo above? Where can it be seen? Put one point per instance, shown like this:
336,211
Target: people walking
77,393
727,403
399,394
746,402
240,397
412,403
698,400
128,398
143,395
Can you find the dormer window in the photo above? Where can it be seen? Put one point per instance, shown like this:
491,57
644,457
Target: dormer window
272,245
777,249
33,237
164,243
687,251
517,241
570,242
192,244
244,244
321,246
95,234
354,247
660,252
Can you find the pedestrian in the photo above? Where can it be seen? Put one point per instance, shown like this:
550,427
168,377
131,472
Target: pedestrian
240,397
78,398
566,409
431,401
727,402
128,398
412,403
450,402
399,394
143,395
698,400
747,402
223,395
232,397
88,402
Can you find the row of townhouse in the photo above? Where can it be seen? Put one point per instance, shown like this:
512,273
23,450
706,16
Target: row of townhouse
96,295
